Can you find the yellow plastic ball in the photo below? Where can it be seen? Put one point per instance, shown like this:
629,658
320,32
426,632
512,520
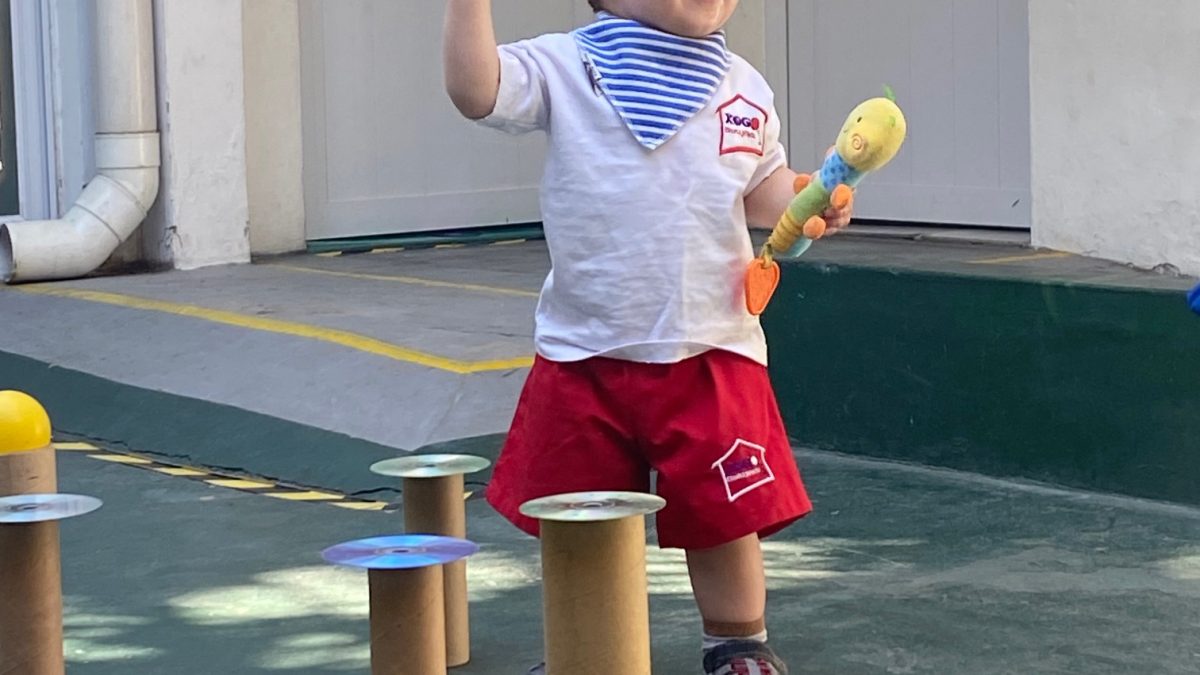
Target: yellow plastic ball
24,424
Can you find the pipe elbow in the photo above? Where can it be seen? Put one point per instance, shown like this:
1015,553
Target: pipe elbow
108,211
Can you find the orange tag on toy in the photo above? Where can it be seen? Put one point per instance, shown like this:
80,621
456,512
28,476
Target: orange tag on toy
761,282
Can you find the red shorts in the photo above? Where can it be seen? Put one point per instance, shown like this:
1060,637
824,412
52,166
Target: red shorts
709,426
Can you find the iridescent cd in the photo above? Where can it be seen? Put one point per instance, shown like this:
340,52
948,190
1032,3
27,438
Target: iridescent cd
44,507
582,507
399,552
430,466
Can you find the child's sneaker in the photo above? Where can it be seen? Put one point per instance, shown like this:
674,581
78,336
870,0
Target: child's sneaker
743,657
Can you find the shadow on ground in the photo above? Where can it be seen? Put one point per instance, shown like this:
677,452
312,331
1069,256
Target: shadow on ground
899,571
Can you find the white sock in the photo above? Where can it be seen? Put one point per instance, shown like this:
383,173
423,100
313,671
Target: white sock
712,641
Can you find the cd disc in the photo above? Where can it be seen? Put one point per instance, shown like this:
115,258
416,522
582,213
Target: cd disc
430,466
42,508
400,552
582,507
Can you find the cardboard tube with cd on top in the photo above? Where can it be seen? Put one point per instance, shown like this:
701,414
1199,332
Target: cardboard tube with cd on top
408,622
31,638
595,594
434,503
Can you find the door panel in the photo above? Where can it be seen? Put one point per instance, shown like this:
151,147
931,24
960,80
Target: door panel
960,69
384,149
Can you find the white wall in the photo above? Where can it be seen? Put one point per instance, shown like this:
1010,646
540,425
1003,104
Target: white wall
202,215
274,150
1116,129
746,30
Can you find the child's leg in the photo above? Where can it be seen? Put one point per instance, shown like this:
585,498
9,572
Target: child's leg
730,588
712,429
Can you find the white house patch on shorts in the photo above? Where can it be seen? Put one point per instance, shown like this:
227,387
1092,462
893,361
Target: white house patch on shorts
743,469
743,126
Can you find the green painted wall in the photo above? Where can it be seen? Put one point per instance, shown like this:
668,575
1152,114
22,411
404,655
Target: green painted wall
1079,386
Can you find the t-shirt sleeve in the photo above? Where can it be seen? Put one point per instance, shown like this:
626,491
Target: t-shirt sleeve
522,104
774,157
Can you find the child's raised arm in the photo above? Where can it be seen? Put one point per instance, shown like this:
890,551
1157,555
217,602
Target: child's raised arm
470,59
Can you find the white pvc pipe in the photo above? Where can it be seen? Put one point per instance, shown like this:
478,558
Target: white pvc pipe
116,200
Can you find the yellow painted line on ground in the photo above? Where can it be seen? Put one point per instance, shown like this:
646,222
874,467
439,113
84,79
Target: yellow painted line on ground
76,447
121,459
239,484
413,281
342,338
330,254
1020,258
304,496
444,246
509,242
361,506
386,249
181,472
216,479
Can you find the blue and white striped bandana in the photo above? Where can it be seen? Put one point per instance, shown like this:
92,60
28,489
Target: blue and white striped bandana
656,81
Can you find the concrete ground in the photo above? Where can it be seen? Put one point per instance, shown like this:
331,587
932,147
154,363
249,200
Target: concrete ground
899,570
404,348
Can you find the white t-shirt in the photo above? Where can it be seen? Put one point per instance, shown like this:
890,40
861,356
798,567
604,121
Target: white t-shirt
648,248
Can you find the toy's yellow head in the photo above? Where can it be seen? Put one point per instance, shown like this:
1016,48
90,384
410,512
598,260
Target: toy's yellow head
873,134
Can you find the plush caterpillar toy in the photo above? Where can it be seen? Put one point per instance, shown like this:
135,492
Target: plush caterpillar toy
869,140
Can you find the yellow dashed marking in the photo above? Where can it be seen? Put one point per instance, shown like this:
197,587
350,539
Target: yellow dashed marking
354,341
239,483
330,254
1020,258
121,459
75,447
386,249
509,242
216,479
304,496
412,281
362,506
450,246
181,472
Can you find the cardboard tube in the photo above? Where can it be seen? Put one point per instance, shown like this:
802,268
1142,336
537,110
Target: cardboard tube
31,633
31,609
597,609
26,473
437,506
407,622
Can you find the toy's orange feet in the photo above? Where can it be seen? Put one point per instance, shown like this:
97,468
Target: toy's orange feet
802,181
842,197
815,227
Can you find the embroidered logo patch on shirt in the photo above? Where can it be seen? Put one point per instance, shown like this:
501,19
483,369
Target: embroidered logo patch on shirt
743,126
743,469
655,81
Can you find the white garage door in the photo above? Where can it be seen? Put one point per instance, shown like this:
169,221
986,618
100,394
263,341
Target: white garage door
384,150
960,69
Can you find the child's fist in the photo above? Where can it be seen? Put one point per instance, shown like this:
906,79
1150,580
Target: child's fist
837,217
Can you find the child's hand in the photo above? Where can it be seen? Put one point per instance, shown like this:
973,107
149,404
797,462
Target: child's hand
837,220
